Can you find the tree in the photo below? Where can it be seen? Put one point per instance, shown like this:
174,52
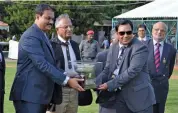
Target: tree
20,15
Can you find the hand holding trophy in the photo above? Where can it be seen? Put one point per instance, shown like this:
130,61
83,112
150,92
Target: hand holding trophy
86,70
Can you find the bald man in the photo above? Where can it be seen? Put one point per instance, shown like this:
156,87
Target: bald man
161,61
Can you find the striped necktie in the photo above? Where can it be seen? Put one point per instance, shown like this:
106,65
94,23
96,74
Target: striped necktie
121,55
66,44
157,56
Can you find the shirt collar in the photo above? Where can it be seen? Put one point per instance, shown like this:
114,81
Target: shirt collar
162,42
62,40
121,45
144,39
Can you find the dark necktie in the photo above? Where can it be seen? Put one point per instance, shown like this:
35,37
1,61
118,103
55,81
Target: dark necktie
157,56
121,55
68,54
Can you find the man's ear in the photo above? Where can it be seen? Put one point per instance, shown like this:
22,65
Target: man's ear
37,16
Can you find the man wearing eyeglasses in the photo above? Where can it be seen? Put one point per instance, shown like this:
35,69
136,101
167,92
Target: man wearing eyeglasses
142,33
66,52
89,47
126,74
161,60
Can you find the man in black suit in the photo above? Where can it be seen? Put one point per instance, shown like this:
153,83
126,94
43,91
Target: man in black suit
66,52
2,80
161,60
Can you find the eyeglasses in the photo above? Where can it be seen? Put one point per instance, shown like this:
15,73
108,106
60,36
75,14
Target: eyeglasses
67,27
125,32
161,30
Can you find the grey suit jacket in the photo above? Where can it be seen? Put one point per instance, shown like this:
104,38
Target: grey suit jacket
133,75
36,69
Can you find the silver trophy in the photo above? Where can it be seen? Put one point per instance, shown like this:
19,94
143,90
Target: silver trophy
88,71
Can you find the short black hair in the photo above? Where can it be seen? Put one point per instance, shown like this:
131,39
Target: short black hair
42,7
123,22
142,26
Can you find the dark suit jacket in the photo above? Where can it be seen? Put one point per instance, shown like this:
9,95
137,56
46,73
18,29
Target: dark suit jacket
2,81
36,69
133,75
56,44
160,80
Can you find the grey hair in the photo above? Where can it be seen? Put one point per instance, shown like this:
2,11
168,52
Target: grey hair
165,26
59,18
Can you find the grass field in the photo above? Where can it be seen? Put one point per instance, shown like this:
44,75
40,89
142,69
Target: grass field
171,106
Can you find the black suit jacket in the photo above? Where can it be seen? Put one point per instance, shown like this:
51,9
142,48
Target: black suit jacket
56,44
2,82
60,62
160,79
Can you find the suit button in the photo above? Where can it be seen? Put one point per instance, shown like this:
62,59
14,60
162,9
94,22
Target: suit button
163,75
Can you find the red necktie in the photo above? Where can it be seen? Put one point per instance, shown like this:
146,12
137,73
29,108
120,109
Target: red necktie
157,56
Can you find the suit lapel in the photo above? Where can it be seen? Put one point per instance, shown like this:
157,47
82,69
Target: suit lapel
151,57
164,56
76,50
124,55
115,53
49,45
45,39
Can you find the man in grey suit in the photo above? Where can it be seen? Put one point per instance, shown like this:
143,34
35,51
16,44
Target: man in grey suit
37,76
126,73
161,60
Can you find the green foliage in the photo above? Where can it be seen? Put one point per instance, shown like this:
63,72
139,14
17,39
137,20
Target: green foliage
20,14
20,17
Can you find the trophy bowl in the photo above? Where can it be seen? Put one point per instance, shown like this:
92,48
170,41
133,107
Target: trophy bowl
88,71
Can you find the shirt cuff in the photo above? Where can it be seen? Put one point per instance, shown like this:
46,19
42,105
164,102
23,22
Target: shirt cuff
66,80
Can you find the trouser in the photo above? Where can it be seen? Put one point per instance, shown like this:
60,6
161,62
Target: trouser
28,107
159,107
106,110
2,103
121,107
69,102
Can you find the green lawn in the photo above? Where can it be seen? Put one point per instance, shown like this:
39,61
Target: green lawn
175,72
171,106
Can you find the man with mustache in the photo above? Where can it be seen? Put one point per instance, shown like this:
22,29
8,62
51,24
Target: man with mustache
126,73
37,76
161,60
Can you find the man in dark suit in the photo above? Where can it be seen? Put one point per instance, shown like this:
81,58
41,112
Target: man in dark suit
126,73
66,52
2,80
142,33
106,107
36,76
161,61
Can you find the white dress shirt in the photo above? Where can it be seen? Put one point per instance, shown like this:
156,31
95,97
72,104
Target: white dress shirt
116,71
72,55
142,39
